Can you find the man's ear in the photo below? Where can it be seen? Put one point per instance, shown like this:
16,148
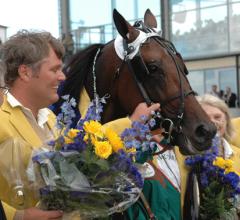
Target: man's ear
24,72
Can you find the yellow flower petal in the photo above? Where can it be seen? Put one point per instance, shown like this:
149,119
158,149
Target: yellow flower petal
103,149
72,133
131,150
220,162
92,127
114,140
227,164
229,170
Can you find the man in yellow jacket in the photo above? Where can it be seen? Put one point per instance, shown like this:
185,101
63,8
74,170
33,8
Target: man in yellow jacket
2,213
33,62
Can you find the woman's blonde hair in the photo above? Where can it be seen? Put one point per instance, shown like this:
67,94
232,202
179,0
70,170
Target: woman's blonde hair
216,102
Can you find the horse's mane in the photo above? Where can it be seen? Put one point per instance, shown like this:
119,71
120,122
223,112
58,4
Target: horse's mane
76,71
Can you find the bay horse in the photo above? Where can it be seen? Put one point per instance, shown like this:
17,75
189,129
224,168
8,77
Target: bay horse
141,66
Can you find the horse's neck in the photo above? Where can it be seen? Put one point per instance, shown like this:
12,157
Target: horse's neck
112,112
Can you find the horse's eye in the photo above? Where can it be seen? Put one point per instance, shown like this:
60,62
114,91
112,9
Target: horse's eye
152,68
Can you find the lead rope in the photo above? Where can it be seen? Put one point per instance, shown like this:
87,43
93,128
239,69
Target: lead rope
147,207
95,95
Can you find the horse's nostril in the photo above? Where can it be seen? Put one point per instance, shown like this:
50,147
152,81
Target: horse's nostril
203,135
205,132
201,131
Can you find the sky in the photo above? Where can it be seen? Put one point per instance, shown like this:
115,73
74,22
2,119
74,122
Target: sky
29,14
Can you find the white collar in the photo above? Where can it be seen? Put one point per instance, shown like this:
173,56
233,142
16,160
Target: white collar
142,37
12,100
43,113
228,151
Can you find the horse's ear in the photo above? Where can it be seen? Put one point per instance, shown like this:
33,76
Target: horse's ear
149,19
126,30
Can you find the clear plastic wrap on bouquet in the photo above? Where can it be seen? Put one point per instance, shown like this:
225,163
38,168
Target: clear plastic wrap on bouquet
17,189
91,187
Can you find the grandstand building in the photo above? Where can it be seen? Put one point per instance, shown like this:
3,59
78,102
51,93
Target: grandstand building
205,32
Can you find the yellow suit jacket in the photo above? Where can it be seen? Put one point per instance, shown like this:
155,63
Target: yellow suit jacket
236,137
14,124
235,157
184,170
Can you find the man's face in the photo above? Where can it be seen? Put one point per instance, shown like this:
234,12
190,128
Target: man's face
44,84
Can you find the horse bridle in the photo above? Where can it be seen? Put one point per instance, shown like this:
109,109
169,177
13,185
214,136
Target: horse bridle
143,71
169,124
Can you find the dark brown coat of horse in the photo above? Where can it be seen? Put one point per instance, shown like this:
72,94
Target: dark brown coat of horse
158,68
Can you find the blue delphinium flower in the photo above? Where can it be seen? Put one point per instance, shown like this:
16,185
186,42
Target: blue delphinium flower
78,143
139,137
129,133
94,111
125,164
43,156
64,119
232,179
141,128
204,179
205,159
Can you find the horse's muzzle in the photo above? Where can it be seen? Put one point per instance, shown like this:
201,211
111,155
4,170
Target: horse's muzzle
196,142
204,134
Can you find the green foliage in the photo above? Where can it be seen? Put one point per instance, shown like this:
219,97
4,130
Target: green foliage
214,202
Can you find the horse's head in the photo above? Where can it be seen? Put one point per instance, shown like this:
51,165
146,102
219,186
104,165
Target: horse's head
141,66
148,68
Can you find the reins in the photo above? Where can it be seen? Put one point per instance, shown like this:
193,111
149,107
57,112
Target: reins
176,126
175,122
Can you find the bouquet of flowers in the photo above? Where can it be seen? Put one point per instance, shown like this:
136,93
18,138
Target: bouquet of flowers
88,170
218,183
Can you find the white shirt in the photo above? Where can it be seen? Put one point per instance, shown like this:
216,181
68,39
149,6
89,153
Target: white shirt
39,125
42,116
168,165
228,152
